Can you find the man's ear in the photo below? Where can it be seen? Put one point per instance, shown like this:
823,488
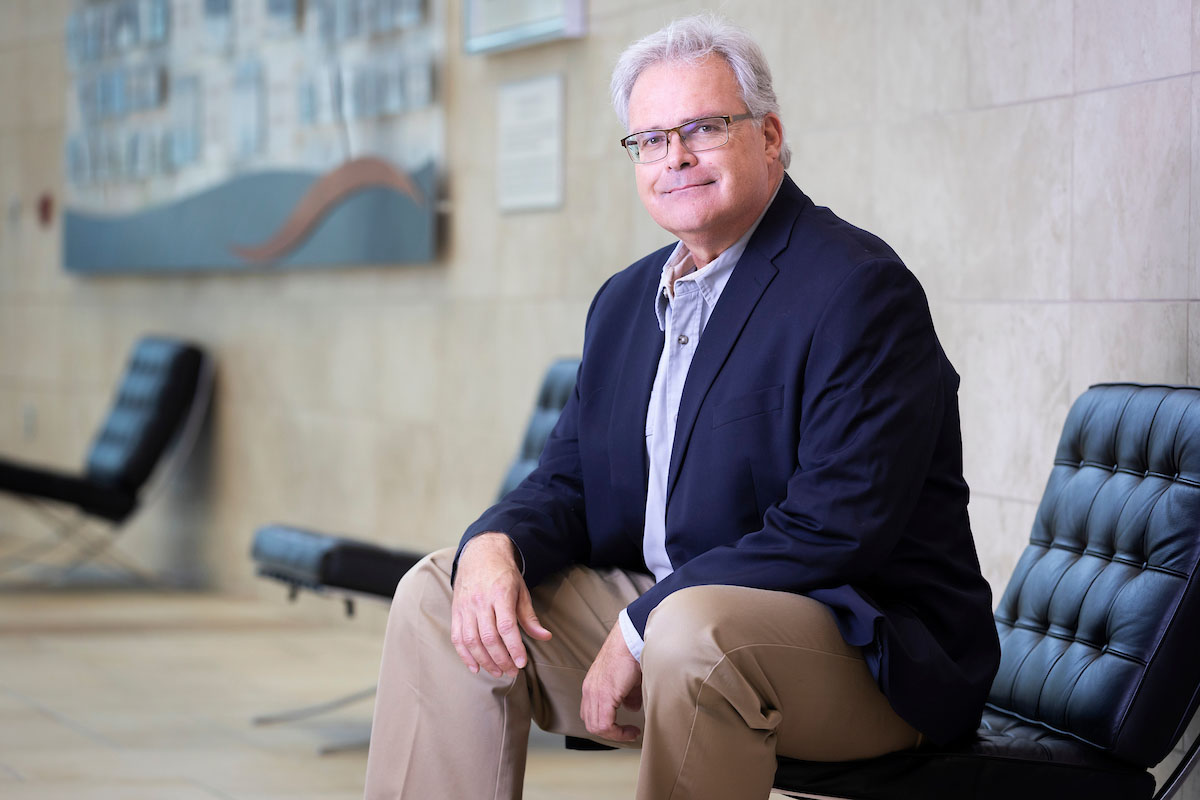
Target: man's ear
772,127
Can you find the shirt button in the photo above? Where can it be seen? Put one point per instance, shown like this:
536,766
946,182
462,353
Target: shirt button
682,338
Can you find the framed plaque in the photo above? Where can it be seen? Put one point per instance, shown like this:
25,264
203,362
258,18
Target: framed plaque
494,25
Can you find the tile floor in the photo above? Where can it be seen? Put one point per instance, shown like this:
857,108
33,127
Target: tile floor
149,696
144,695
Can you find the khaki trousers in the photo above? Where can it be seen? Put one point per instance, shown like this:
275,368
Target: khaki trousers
731,677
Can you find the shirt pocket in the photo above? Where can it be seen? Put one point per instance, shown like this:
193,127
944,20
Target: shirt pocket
751,404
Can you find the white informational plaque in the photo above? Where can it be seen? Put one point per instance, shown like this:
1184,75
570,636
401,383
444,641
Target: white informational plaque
529,144
494,25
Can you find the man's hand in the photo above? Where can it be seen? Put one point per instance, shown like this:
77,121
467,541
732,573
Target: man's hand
614,680
490,607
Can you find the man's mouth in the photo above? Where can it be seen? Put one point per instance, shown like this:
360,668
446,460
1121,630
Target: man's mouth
687,186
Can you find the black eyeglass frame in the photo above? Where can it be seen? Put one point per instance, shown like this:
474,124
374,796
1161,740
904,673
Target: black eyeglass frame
729,120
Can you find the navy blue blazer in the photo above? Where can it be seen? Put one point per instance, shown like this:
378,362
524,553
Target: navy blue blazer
817,451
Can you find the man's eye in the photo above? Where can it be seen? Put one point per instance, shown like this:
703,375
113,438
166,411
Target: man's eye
651,140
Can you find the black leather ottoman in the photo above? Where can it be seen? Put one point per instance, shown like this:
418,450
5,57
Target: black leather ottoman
321,562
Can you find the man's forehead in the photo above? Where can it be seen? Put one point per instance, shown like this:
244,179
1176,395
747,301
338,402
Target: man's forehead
671,108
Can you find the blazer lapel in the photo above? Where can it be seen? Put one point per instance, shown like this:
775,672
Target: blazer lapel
746,285
750,278
643,346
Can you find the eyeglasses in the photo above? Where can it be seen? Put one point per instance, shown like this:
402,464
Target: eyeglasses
709,133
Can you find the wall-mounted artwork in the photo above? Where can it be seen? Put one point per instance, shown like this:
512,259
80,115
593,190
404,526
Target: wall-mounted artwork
252,134
492,25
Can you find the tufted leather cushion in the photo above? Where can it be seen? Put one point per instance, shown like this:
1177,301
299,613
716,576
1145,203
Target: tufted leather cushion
151,403
1097,625
556,389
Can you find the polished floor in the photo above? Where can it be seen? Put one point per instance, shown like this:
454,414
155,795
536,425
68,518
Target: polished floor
142,695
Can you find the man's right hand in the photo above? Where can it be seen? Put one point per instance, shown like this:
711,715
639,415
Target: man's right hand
491,605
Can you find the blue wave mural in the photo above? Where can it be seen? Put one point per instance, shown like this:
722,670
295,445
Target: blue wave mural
363,212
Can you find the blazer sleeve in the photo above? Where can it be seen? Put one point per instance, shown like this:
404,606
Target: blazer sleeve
545,514
871,407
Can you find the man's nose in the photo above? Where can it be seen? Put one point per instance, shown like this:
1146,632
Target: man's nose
678,154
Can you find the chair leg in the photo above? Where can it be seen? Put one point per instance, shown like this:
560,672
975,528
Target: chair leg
101,548
34,552
1174,783
345,747
69,534
292,715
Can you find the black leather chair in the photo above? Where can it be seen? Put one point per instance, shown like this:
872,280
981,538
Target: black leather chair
158,409
1100,666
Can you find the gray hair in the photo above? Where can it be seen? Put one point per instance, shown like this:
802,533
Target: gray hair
694,39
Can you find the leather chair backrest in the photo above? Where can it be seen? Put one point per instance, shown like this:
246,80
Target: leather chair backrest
152,403
1098,625
557,386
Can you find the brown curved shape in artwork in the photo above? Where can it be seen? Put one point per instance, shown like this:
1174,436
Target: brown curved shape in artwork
322,197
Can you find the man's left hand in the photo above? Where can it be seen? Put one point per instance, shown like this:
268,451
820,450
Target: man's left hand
614,680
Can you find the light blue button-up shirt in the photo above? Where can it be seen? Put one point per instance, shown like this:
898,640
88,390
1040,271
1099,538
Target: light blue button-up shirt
683,303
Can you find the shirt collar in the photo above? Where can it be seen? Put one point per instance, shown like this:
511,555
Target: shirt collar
711,280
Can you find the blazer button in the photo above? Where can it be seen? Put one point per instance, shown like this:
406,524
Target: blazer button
682,338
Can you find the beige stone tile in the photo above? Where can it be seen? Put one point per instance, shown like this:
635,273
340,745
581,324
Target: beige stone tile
323,465
12,77
1001,527
1019,50
1193,346
406,475
408,343
38,342
44,101
221,770
922,59
35,728
1013,360
12,22
526,271
1017,222
45,19
70,790
41,174
473,233
604,205
1194,222
1130,193
592,125
919,191
822,56
1142,342
832,166
1118,43
10,191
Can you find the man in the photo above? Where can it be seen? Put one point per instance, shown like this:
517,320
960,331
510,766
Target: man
747,535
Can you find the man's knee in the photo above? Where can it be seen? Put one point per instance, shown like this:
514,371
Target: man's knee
425,587
684,633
